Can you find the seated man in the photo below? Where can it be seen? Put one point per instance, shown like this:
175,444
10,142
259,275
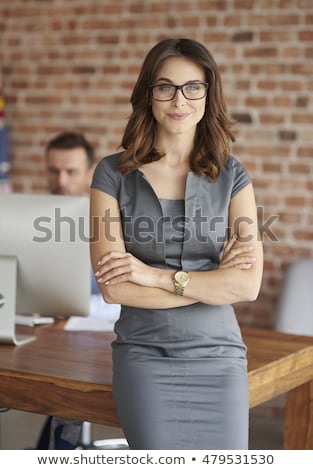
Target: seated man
70,160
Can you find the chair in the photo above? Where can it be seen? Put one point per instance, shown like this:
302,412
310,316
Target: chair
294,313
87,443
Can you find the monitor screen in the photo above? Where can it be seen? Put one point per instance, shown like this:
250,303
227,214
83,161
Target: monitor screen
44,255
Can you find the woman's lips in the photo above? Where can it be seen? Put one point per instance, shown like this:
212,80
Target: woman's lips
178,116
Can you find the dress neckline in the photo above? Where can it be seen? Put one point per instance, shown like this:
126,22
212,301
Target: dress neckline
171,200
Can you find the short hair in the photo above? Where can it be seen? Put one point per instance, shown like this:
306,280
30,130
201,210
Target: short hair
213,135
69,141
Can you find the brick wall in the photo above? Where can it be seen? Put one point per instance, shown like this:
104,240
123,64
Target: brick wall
72,64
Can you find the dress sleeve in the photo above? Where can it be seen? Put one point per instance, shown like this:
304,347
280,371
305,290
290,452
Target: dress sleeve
241,177
106,178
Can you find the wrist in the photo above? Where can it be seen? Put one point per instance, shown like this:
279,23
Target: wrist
165,279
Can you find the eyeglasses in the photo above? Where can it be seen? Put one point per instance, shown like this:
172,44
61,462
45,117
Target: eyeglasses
191,91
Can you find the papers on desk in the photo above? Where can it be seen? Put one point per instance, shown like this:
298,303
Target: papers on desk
102,317
32,320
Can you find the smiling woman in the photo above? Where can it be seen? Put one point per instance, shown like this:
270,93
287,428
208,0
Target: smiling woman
179,361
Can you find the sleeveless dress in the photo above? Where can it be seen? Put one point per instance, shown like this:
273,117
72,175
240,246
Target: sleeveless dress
179,374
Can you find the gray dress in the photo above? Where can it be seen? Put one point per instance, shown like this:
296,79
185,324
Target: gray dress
179,374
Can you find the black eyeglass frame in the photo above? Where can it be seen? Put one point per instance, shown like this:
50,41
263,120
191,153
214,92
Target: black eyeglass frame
180,87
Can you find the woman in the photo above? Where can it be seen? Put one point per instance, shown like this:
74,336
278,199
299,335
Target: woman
161,214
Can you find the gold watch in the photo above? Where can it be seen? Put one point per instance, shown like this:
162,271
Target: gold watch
180,279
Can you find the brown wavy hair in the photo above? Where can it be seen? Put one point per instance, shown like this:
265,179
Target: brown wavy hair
214,131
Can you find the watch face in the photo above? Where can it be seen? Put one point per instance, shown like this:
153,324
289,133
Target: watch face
181,277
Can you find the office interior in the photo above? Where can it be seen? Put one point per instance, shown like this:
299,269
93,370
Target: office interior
72,65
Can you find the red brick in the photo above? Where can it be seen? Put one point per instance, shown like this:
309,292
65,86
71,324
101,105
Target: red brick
276,35
242,36
305,151
299,168
303,235
287,135
282,101
306,36
272,167
309,19
272,118
304,118
296,201
267,84
284,19
260,52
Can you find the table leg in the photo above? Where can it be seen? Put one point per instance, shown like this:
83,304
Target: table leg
299,418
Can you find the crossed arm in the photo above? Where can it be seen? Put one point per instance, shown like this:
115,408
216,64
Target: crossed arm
124,279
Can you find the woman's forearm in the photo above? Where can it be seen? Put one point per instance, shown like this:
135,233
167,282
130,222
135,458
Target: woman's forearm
217,287
133,295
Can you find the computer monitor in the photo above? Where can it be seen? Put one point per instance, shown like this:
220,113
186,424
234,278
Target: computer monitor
44,258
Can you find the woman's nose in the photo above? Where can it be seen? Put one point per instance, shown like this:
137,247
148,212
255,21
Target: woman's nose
179,98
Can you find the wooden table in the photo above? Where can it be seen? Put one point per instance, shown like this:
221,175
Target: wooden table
69,374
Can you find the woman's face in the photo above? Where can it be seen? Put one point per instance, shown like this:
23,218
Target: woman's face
179,115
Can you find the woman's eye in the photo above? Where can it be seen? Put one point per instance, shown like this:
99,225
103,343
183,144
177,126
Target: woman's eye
193,87
164,88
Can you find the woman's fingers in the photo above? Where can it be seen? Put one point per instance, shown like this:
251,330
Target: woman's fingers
116,267
112,255
241,262
235,252
111,265
228,245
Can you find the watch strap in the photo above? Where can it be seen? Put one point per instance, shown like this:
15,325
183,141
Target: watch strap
179,289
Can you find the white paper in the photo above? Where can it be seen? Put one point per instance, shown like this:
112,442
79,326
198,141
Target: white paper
102,317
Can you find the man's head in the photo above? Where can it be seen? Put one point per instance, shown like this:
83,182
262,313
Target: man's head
70,162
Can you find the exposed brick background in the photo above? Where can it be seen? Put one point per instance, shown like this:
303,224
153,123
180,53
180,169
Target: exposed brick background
71,64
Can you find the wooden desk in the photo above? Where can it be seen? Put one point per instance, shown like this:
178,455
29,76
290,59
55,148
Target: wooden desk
68,374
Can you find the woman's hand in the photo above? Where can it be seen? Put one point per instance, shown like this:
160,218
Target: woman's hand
235,255
116,267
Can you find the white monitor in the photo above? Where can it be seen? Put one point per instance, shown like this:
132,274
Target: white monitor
44,258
